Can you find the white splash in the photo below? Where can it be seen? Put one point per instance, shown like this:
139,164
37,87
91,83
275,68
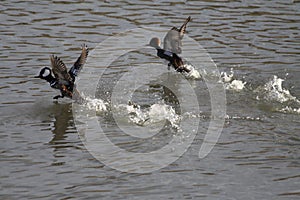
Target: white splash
231,83
226,78
156,113
274,91
135,114
248,118
95,104
194,74
289,109
236,85
160,112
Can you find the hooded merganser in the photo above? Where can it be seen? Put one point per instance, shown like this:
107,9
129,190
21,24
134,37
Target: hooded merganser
173,58
172,40
64,80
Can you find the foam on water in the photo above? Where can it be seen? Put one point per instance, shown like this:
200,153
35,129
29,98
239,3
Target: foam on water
160,112
193,74
236,85
154,114
227,78
135,114
290,110
248,118
157,113
95,104
231,83
273,91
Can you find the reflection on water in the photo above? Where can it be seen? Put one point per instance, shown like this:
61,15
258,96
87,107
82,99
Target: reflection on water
63,119
257,156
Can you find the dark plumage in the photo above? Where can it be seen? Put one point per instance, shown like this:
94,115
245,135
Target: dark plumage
173,58
63,79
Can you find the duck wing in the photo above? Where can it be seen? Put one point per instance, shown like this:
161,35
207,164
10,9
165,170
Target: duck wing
182,29
76,68
172,40
60,72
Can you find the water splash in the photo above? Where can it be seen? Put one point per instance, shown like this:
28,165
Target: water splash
281,98
156,113
230,82
160,112
236,85
135,114
273,91
289,110
246,118
193,74
227,78
95,104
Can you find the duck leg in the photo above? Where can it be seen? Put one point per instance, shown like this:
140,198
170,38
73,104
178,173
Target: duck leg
169,66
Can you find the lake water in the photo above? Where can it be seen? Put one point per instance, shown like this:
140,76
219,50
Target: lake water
254,44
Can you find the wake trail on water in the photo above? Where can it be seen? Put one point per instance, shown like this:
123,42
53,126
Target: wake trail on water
270,92
156,113
274,92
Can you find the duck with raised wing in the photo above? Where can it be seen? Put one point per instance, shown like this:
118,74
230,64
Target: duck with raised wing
173,58
63,79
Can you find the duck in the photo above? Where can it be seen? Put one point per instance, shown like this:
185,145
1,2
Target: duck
63,79
174,60
173,38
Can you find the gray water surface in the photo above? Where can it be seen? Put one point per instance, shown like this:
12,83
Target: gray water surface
257,155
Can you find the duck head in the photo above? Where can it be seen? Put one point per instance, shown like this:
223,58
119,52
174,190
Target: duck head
44,73
155,42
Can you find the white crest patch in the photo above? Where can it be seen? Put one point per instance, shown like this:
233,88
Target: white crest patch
46,72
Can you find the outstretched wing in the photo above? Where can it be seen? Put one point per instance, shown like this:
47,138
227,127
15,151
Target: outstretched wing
172,40
182,29
60,72
175,29
75,69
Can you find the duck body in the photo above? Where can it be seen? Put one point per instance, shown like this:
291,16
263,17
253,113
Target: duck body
174,60
63,79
